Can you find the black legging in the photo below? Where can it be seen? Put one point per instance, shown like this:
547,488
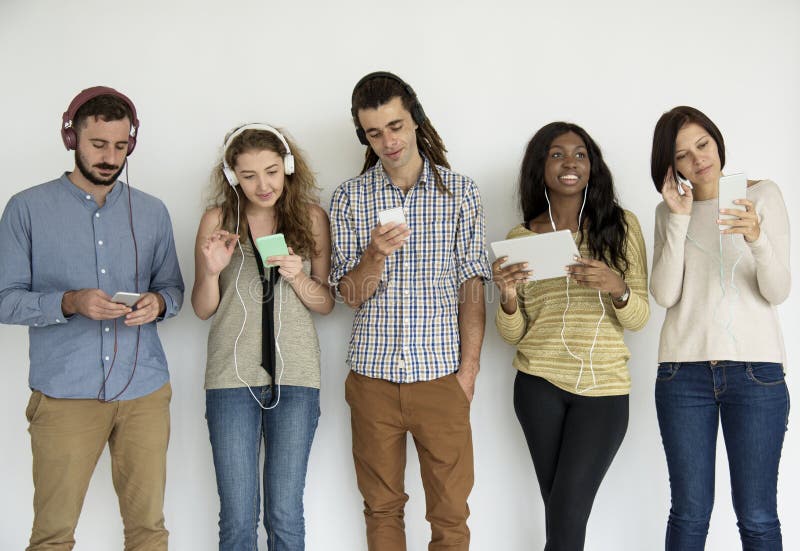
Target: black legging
572,440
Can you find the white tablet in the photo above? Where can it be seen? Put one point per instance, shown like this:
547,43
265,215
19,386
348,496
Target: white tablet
547,254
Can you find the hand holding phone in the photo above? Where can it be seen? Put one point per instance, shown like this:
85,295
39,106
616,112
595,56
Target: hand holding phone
685,182
392,215
731,188
271,245
387,240
128,299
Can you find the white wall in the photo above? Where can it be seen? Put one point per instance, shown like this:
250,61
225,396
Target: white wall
489,75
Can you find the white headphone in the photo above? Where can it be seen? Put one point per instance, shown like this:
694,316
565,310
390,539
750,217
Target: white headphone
230,175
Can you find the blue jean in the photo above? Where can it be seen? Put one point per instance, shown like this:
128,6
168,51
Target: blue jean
237,426
752,402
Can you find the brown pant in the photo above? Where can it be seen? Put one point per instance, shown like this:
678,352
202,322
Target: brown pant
67,438
436,413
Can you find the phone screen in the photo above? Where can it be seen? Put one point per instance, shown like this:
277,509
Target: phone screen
271,245
732,187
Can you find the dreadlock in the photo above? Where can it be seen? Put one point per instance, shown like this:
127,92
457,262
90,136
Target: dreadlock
372,92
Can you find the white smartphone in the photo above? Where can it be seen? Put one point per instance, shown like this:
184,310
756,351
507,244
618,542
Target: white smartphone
685,182
392,215
732,187
128,299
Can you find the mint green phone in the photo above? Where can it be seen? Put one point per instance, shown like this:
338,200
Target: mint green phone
271,245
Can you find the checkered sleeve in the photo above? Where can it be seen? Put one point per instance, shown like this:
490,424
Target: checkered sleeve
471,258
344,238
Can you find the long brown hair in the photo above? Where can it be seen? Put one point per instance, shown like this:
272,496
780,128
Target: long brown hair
371,93
292,210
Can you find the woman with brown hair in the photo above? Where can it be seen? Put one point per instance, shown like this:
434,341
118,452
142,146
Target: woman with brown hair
262,371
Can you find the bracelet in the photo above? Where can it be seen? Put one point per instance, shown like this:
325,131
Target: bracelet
624,296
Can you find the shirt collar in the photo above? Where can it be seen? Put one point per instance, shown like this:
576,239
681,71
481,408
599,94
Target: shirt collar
87,198
425,177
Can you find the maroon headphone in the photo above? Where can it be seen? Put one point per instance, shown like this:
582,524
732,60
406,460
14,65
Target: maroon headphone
68,131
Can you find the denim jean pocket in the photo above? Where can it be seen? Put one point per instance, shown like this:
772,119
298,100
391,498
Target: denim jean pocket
765,373
667,371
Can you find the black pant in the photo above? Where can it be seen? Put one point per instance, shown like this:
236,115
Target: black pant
572,440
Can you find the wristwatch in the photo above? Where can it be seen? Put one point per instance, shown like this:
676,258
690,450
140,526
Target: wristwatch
624,296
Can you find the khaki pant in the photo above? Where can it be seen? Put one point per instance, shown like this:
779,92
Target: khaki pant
67,438
436,413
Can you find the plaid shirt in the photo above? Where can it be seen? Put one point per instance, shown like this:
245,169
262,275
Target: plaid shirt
407,331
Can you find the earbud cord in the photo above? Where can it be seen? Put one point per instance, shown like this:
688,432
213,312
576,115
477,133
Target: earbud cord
102,390
244,321
719,259
564,314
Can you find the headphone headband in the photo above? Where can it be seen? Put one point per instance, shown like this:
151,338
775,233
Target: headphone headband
417,113
68,134
288,159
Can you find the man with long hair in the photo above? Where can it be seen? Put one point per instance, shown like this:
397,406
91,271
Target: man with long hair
98,373
416,284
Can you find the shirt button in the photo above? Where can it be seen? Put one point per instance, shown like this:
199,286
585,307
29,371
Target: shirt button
58,320
97,215
107,329
107,358
100,242
406,292
89,197
405,322
405,264
102,270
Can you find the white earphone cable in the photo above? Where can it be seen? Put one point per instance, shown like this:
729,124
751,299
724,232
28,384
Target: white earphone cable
244,321
564,314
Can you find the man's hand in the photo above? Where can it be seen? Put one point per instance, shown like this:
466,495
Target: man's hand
467,373
149,307
386,239
93,304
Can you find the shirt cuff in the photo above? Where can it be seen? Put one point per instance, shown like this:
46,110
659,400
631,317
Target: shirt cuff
170,307
477,268
50,306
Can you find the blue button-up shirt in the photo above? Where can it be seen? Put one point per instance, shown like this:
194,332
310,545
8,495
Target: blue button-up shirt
54,238
407,331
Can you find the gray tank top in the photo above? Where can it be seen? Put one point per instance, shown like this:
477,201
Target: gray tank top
294,326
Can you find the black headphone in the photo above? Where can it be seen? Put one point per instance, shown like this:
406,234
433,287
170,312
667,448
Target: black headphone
417,113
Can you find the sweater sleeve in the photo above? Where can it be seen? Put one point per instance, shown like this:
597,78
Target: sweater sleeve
771,249
666,279
634,315
512,327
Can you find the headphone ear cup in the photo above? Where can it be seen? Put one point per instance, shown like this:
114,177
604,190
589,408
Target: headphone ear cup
288,164
418,113
230,175
132,139
70,138
362,136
